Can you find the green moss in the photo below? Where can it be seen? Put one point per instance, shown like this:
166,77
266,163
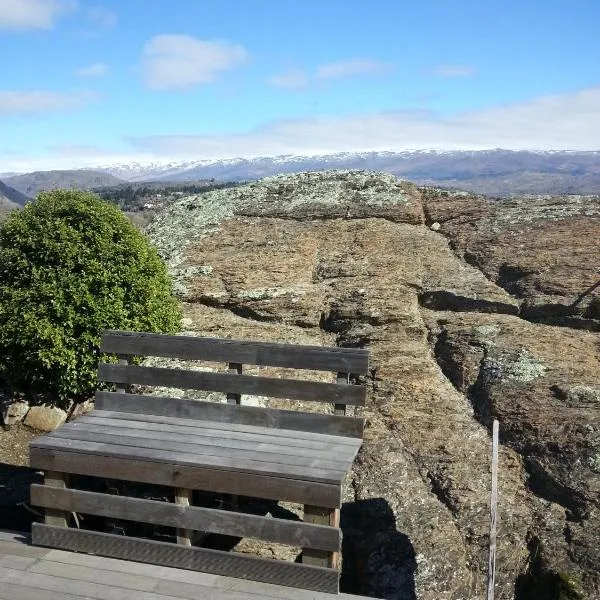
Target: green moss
568,587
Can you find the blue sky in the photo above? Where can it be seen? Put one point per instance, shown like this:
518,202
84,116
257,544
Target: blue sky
86,82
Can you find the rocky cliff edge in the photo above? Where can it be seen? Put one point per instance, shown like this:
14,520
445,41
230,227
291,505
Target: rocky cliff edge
472,310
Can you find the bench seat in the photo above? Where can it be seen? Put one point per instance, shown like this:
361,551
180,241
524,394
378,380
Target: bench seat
184,452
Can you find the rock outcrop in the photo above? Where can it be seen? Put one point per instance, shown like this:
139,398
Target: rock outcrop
353,258
543,251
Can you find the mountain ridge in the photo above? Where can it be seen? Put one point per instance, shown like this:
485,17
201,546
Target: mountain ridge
491,172
496,172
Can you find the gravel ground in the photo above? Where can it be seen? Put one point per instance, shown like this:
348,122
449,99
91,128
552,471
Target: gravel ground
14,445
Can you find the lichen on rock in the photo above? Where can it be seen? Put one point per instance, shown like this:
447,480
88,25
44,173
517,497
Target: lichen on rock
348,258
521,366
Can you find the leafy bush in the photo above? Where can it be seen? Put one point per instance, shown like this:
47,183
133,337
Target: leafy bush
70,266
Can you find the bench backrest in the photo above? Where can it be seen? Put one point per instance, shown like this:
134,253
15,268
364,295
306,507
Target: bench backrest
235,354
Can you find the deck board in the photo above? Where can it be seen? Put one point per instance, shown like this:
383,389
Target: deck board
32,573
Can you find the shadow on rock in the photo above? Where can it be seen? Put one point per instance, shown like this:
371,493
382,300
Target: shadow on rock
378,560
541,582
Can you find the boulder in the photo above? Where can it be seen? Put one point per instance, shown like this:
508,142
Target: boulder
14,412
45,418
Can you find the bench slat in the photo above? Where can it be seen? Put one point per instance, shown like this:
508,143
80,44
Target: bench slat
79,462
207,560
318,358
209,429
207,440
292,389
223,454
222,463
230,416
293,533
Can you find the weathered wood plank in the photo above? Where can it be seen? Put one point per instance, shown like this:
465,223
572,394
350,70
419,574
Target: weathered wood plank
123,359
234,369
317,358
226,588
195,518
281,439
307,470
334,458
16,537
14,549
188,476
183,498
23,591
302,438
323,516
56,587
22,563
117,565
292,389
341,379
299,436
188,557
129,582
133,586
206,439
53,516
230,415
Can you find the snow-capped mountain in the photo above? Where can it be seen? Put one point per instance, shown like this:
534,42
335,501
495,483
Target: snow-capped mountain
242,168
496,172
493,172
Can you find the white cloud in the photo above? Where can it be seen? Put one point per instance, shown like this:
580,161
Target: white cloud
31,102
556,122
454,71
297,79
33,14
351,68
101,17
290,80
95,70
178,62
560,121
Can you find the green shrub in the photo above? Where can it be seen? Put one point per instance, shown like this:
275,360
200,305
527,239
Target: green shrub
70,266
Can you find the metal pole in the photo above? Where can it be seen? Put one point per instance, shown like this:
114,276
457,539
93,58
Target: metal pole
493,507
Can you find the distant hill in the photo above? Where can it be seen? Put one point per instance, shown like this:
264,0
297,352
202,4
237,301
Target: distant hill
10,196
31,184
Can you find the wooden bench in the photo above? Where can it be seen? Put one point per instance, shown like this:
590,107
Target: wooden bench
218,447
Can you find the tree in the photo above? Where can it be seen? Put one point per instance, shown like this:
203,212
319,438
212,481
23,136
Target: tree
70,266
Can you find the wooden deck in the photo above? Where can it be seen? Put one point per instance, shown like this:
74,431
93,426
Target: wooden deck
33,573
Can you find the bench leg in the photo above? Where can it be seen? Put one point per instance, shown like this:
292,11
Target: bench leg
53,516
321,516
183,497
